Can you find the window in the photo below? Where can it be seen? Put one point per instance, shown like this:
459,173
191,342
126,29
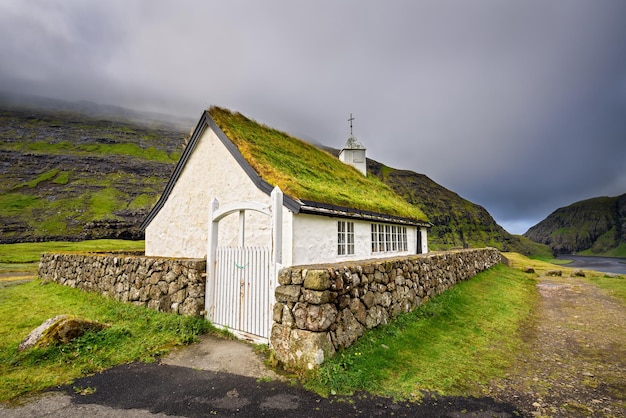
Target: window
388,238
345,238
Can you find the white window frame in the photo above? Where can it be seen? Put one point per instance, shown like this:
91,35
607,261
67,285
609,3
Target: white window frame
345,238
388,238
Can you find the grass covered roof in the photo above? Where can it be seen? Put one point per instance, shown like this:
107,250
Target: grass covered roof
305,172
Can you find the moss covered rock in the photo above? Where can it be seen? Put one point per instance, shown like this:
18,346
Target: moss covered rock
59,330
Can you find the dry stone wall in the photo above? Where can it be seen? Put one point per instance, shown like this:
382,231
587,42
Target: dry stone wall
163,284
322,309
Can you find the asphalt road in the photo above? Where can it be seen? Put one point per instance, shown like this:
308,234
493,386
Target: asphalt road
148,390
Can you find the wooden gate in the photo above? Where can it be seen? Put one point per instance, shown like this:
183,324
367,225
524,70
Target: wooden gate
242,289
241,280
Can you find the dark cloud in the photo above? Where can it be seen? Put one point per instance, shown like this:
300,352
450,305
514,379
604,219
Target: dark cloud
519,107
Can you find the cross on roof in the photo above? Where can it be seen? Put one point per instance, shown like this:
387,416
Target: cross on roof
350,120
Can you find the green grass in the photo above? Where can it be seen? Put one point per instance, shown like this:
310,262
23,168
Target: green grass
12,204
103,203
306,172
41,178
141,201
23,257
62,178
619,251
614,285
135,333
452,344
68,147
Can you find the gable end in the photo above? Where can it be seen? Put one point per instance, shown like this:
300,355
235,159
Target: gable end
207,121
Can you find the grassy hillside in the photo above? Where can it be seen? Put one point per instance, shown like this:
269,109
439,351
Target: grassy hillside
70,177
594,227
457,222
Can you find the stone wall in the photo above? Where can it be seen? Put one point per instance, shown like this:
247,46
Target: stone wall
322,309
163,284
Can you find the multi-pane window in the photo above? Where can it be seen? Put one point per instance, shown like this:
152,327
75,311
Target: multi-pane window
388,238
345,238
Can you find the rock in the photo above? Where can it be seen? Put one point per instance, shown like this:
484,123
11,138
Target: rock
554,273
287,293
317,280
578,273
299,349
60,329
528,269
348,329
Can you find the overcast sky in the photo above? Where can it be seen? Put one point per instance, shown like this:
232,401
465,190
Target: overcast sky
517,106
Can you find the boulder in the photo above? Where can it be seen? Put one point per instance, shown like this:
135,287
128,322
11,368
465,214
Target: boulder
60,329
578,273
554,273
528,269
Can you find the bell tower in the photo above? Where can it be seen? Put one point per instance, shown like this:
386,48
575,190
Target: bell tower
353,152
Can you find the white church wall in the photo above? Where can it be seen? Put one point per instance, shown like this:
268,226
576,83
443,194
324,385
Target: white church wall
180,227
315,241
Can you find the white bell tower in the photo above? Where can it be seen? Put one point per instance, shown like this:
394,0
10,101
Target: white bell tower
353,152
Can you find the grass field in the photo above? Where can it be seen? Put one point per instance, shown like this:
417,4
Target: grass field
453,344
136,333
615,285
24,257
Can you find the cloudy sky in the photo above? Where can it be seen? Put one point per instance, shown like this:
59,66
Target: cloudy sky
517,106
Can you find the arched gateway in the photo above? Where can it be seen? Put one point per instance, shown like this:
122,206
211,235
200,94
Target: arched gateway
241,280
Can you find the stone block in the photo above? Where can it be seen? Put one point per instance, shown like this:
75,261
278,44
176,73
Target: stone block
316,297
284,276
317,280
288,293
314,317
300,350
277,312
348,330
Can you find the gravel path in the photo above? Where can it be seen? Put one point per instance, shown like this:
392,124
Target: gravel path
575,362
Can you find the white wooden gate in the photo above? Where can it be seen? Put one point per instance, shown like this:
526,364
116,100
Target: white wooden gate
242,289
241,280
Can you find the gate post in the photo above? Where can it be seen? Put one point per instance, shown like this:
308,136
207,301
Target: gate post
209,299
276,201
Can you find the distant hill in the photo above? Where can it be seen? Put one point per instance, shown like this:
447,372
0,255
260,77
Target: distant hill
457,222
71,176
66,176
595,226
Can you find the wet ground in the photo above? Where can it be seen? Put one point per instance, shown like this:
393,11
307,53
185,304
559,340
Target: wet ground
602,264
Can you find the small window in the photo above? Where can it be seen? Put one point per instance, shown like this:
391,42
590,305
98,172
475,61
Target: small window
345,238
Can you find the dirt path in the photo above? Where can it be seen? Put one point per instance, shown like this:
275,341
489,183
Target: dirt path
575,363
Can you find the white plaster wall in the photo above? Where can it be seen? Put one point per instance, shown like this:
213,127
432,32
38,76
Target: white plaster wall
315,241
355,158
180,227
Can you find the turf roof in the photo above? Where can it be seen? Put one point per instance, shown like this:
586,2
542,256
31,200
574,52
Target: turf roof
305,172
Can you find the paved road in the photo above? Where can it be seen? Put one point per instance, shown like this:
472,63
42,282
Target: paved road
193,383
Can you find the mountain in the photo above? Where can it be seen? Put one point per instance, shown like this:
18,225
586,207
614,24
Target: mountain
457,222
71,176
595,226
67,176
18,101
